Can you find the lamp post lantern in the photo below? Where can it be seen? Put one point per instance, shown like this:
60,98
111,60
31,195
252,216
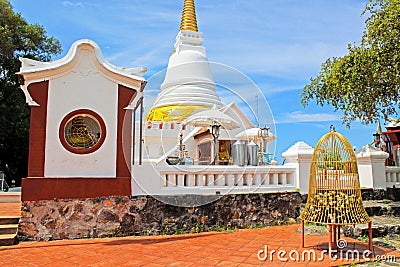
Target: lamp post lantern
215,129
264,133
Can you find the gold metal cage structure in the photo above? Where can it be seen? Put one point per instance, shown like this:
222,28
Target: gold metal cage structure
334,194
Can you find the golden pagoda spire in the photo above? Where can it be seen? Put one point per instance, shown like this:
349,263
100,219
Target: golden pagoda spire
188,20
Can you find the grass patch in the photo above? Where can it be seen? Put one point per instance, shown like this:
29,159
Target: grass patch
363,238
385,201
315,224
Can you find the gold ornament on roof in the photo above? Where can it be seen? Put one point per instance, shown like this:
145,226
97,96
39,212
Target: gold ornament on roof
188,20
334,194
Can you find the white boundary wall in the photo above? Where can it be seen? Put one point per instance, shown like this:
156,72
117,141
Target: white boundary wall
221,179
211,180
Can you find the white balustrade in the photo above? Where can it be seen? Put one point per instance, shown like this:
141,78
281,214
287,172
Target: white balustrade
392,176
202,180
294,175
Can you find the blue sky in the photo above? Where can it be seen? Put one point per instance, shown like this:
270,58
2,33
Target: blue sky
278,44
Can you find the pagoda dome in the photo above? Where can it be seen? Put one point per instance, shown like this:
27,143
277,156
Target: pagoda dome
188,66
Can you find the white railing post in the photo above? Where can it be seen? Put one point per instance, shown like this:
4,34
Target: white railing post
181,180
210,180
220,180
275,178
257,178
269,180
290,178
371,167
239,177
264,179
190,181
283,178
199,179
171,180
230,179
299,156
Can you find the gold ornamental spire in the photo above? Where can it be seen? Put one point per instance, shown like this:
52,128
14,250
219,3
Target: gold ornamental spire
188,20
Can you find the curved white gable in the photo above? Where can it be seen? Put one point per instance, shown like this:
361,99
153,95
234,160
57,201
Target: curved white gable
34,66
34,71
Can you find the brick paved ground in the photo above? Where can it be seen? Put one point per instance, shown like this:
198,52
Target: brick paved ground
239,248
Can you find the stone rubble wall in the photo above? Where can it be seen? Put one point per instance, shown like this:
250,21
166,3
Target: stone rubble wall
373,194
145,215
380,194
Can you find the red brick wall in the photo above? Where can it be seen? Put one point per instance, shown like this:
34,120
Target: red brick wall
124,140
34,189
37,135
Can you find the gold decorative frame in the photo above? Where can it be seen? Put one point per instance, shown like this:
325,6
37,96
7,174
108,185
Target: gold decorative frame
334,193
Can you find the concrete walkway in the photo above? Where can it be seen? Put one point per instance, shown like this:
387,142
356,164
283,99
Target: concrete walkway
238,248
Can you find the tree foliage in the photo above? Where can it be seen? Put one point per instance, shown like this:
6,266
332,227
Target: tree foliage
18,38
364,83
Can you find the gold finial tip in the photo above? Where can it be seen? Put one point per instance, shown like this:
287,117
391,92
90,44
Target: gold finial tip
188,20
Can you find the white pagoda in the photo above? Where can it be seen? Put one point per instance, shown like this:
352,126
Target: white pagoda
187,89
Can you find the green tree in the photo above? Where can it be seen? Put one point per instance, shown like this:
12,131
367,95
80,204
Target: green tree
18,38
364,83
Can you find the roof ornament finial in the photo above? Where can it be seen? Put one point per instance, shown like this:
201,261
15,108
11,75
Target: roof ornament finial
379,128
332,128
188,20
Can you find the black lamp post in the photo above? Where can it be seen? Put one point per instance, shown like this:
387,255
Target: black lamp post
215,129
264,133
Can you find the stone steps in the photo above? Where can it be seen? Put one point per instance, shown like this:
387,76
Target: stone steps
8,230
9,220
8,239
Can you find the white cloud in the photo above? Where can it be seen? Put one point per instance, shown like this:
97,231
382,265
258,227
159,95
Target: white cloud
71,4
152,56
276,38
269,90
299,116
279,38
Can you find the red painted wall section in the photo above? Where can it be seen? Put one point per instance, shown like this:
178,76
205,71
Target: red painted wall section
124,131
37,135
34,189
